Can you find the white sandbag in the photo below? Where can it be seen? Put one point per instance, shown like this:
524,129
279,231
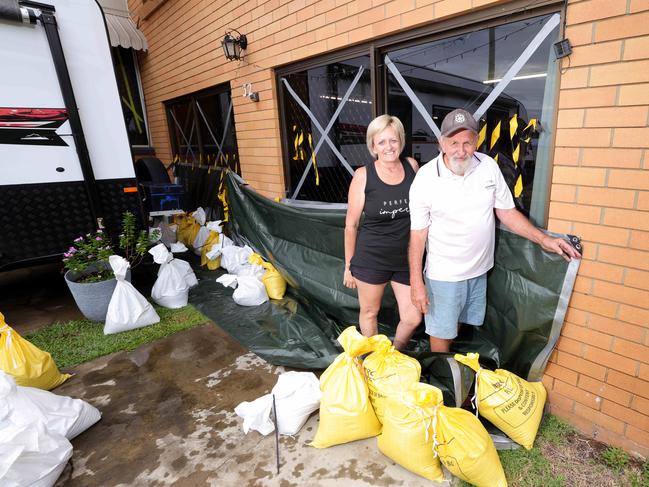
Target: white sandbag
60,414
127,309
175,278
200,239
168,233
178,247
233,257
199,216
297,395
252,270
249,291
215,226
30,455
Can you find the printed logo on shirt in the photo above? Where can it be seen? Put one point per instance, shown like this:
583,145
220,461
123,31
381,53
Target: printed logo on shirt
394,207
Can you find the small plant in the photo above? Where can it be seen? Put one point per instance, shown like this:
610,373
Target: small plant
616,458
132,243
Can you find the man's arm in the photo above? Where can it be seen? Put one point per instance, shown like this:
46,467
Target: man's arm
418,294
517,223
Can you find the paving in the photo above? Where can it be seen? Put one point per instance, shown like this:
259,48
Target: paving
168,414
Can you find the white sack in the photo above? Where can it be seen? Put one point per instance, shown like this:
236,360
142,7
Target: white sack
215,226
200,239
252,270
297,395
127,309
233,257
228,280
199,216
31,455
175,277
178,247
60,414
249,291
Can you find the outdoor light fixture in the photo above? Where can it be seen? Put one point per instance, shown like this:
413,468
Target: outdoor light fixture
232,46
562,48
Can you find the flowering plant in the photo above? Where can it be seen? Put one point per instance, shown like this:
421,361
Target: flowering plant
84,254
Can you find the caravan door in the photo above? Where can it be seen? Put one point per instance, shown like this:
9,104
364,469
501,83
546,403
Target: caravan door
65,161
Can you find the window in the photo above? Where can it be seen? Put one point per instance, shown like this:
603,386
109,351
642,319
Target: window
201,128
130,92
445,71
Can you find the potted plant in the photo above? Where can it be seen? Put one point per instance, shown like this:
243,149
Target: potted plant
89,277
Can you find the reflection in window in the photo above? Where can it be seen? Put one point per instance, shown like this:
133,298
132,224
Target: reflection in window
461,71
201,123
128,85
321,89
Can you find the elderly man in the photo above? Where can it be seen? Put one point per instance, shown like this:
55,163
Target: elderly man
452,203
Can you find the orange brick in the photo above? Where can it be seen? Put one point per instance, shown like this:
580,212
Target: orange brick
398,7
579,395
633,314
611,157
586,335
600,137
574,77
579,175
578,364
583,284
631,137
617,328
619,198
641,438
346,25
451,7
631,350
638,6
569,345
619,73
601,234
640,404
372,16
636,278
594,304
559,401
548,382
315,22
634,94
639,240
577,316
623,442
603,420
418,16
626,218
596,53
627,415
620,178
567,156
643,374
562,192
325,32
338,41
559,226
585,426
562,373
620,27
637,48
579,34
571,118
605,390
616,117
643,201
336,14
360,34
587,97
593,10
579,213
305,13
610,360
635,385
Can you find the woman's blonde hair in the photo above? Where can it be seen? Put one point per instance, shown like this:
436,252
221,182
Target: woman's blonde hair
379,124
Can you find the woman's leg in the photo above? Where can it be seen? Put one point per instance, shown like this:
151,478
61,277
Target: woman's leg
409,316
369,298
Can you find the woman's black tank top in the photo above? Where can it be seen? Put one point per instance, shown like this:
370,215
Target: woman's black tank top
382,240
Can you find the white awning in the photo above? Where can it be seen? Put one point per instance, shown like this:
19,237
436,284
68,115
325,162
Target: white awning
121,29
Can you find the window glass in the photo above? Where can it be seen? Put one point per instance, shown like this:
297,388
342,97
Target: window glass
128,85
322,90
461,71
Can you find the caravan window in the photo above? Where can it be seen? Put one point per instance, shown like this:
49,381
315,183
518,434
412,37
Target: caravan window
130,92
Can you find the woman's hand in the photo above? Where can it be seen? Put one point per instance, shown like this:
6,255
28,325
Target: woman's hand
348,279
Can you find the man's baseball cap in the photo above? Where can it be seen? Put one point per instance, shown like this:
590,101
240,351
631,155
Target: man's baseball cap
458,119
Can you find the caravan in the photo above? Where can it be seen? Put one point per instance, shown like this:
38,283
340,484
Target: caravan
65,162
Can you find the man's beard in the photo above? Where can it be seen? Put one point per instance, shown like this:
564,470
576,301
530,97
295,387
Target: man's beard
459,166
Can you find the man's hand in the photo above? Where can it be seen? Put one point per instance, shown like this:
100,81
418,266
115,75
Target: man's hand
560,246
419,296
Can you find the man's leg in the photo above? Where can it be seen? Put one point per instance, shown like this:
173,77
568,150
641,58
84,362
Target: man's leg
446,302
439,344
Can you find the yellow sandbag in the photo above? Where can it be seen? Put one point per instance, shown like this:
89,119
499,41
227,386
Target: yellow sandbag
212,238
407,436
346,412
389,373
466,449
27,364
187,229
273,281
513,405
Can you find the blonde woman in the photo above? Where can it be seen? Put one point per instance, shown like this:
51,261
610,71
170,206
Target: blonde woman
376,251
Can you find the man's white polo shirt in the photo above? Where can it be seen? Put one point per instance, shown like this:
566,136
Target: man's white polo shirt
459,214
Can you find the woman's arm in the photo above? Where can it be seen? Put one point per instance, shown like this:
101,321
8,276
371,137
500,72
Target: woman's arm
355,204
413,163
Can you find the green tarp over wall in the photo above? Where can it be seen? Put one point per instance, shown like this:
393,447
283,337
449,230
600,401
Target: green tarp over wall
528,292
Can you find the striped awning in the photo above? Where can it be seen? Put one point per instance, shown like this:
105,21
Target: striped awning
121,29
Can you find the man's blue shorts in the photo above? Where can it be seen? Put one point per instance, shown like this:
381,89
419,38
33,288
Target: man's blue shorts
451,303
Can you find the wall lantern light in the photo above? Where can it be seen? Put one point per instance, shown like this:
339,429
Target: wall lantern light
232,45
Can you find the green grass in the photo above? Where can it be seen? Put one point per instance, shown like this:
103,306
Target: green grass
75,342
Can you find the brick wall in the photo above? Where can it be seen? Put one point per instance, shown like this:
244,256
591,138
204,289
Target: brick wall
599,376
